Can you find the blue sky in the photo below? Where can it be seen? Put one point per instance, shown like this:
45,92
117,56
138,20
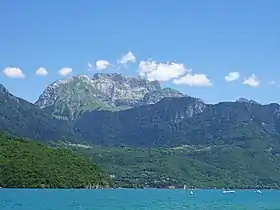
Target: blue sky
166,39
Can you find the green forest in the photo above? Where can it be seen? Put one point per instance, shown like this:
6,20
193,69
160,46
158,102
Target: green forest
200,167
28,164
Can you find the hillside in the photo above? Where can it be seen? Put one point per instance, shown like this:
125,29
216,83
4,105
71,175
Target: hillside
21,118
24,163
201,167
180,121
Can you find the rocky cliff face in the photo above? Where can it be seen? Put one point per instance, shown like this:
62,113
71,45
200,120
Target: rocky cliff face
153,97
68,98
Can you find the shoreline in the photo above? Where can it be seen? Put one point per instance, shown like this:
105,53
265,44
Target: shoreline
126,188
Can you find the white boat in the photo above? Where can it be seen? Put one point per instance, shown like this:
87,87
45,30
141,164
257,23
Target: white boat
191,192
228,191
258,191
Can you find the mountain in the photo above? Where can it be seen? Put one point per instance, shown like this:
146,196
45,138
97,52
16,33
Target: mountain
21,118
172,121
244,100
179,121
174,141
68,99
27,164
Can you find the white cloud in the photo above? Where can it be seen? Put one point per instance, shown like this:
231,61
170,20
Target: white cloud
42,71
194,80
128,57
102,64
252,81
65,71
14,72
232,76
153,70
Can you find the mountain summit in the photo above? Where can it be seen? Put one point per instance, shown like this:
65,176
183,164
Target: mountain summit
68,98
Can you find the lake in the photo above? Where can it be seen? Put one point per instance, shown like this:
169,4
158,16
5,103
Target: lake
132,199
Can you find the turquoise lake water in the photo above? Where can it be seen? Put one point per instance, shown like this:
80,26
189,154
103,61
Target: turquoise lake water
128,199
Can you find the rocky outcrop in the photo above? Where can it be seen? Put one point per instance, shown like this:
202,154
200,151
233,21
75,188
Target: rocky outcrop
153,97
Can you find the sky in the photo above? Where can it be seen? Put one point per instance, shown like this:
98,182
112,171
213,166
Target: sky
215,50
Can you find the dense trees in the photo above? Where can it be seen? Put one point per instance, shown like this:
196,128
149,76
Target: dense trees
205,167
25,163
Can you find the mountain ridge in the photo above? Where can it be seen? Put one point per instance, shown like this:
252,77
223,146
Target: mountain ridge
22,118
186,120
171,121
104,91
187,140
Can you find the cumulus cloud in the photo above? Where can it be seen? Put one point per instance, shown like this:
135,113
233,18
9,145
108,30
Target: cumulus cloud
232,76
153,70
102,64
194,80
41,71
128,57
252,81
14,72
65,71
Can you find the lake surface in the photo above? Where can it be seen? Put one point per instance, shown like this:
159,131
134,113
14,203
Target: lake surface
129,199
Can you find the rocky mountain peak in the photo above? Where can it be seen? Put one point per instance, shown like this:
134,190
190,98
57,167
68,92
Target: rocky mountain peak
131,81
81,76
109,91
154,96
245,100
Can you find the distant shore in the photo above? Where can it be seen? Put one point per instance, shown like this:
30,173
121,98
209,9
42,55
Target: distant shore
142,188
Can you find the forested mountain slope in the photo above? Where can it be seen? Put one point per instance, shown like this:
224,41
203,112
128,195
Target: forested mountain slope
25,163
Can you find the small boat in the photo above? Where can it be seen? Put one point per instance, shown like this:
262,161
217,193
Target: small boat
191,192
258,191
228,191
